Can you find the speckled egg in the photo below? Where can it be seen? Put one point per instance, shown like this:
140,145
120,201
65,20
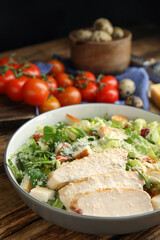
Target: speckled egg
84,34
134,101
100,36
126,87
104,25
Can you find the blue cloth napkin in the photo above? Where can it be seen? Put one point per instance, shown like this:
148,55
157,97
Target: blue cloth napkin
141,79
137,74
44,67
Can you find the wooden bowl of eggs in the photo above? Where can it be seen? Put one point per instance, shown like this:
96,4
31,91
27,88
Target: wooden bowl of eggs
101,49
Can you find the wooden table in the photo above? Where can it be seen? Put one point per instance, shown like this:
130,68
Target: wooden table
17,221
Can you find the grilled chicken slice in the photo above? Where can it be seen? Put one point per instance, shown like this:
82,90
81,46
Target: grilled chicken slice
117,179
113,202
97,163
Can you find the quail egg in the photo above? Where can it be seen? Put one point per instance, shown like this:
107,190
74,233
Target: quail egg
118,33
100,36
134,101
84,34
104,25
126,88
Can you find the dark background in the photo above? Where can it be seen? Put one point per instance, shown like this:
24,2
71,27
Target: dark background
28,22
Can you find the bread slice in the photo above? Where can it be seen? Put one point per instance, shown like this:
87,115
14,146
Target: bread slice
97,163
120,178
113,202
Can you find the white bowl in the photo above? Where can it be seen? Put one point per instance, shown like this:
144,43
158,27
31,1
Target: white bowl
77,222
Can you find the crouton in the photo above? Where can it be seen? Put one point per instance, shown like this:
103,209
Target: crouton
83,152
25,184
118,118
70,120
156,202
43,194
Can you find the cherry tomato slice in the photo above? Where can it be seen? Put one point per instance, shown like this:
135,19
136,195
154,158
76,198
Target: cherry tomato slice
37,136
63,158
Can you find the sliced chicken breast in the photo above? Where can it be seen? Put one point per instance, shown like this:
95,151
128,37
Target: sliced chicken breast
97,163
113,202
118,179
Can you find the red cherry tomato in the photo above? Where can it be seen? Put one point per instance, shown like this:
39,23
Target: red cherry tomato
35,92
70,96
57,66
108,94
14,88
82,77
110,80
30,69
64,80
87,88
9,75
89,93
50,104
10,62
51,83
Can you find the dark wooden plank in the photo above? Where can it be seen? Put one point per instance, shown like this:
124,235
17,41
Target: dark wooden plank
13,111
5,135
148,47
42,51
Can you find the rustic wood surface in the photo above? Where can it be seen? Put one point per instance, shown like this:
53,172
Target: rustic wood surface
17,221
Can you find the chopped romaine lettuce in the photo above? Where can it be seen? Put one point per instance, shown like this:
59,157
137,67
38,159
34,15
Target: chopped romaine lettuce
139,123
